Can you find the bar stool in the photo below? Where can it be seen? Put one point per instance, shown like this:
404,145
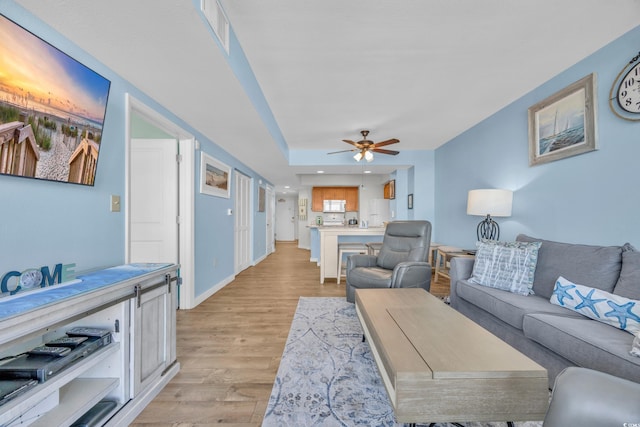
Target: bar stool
373,248
348,248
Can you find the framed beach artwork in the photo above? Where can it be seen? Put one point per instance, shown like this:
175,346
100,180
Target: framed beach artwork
52,110
564,124
410,201
214,177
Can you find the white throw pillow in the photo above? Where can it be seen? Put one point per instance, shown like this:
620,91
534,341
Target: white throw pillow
621,312
508,266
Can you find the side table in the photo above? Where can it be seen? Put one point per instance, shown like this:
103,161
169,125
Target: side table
443,256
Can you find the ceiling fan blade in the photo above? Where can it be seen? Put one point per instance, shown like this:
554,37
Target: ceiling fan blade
383,151
387,142
343,151
350,142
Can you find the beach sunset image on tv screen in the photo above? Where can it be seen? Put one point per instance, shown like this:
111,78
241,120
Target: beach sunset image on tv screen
52,110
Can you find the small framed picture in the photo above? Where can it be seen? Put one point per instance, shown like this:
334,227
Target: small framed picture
410,201
392,189
214,177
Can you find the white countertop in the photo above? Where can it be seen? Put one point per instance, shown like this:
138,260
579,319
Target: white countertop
343,227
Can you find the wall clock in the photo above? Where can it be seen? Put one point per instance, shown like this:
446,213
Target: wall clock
30,279
624,98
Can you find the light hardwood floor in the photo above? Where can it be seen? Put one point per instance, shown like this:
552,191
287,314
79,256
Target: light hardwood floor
229,347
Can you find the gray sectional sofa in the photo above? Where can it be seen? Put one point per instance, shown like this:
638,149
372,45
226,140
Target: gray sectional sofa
554,336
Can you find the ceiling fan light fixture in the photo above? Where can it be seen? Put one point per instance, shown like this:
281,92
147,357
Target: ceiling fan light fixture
365,147
368,155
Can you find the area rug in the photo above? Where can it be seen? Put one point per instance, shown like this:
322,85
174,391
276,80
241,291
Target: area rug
327,376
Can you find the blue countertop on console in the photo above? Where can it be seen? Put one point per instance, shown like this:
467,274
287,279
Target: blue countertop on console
23,302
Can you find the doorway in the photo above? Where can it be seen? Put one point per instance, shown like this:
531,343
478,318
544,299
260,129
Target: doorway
178,239
271,219
242,226
286,211
153,202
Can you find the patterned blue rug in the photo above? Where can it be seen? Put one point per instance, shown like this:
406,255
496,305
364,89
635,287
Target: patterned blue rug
327,376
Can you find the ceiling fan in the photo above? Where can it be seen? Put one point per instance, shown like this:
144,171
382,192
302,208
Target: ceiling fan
365,148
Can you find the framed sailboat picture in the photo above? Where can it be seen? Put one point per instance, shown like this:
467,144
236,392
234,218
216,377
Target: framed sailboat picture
564,124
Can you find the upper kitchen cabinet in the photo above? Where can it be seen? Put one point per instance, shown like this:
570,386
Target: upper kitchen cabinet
350,194
317,196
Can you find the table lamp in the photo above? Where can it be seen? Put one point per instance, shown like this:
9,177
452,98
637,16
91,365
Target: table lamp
489,202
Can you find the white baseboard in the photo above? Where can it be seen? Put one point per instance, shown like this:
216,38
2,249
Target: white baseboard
259,260
221,284
213,290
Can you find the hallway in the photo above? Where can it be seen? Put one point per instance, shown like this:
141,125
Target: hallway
229,347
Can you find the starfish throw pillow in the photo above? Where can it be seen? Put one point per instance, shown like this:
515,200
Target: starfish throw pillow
621,312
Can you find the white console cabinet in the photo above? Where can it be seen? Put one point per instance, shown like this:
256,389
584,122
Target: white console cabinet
136,302
154,343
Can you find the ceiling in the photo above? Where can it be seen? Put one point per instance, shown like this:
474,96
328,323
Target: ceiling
422,71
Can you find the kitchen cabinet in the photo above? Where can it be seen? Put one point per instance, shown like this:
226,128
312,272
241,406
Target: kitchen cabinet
350,194
136,303
317,196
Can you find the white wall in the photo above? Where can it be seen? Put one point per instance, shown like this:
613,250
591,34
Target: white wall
591,198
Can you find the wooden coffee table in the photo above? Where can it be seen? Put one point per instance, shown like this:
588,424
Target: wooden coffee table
439,366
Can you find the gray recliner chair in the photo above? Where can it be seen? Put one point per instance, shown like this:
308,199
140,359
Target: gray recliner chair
401,262
587,398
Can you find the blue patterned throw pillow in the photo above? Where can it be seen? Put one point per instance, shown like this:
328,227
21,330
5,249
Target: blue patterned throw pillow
509,266
621,312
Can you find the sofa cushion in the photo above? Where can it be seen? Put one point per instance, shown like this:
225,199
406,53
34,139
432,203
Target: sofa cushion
370,277
585,342
506,265
635,347
593,266
506,306
614,310
628,284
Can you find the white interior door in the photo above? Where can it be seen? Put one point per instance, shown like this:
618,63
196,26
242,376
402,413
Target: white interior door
285,219
242,228
270,213
154,200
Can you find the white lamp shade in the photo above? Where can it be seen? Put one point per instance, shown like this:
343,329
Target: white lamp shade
358,156
492,202
368,155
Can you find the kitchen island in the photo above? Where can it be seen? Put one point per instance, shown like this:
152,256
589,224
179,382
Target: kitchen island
330,236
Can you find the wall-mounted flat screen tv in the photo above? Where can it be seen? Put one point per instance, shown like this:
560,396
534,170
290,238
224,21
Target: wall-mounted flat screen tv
52,110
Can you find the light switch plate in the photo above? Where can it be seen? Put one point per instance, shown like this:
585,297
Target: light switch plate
115,203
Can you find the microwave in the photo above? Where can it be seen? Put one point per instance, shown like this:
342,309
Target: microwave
334,206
